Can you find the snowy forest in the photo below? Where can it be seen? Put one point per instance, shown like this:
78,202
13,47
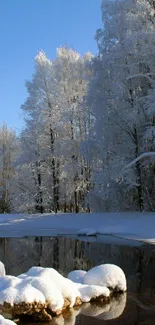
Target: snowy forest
88,142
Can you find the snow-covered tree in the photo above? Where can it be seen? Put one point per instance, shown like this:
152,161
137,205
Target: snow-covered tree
123,82
8,152
52,172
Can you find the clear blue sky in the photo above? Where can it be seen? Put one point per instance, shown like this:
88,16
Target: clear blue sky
27,26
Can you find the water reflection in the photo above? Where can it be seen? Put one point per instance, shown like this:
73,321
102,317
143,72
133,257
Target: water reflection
66,254
122,310
106,312
110,311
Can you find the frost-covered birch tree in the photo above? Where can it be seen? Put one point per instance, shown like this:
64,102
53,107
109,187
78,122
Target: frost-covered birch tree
53,174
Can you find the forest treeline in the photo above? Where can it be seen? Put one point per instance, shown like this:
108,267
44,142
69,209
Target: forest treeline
88,140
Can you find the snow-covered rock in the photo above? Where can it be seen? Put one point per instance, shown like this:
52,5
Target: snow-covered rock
13,291
51,293
41,279
21,292
76,276
87,232
4,321
64,285
89,292
45,288
106,275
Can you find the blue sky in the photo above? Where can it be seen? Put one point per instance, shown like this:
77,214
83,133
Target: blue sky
27,26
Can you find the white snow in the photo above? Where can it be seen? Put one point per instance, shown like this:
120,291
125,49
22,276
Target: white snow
4,321
87,232
64,285
76,276
128,225
20,292
106,275
35,286
46,285
51,293
142,156
88,292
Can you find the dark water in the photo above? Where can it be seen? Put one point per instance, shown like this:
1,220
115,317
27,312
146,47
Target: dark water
65,254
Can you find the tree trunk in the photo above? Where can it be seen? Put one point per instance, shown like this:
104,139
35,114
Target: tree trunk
39,199
55,174
138,173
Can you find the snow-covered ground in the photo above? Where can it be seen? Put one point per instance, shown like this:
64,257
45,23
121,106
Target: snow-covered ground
132,226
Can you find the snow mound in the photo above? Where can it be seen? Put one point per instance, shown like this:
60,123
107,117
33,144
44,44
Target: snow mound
87,232
4,321
22,292
30,289
51,293
106,275
67,288
88,292
13,290
49,288
76,276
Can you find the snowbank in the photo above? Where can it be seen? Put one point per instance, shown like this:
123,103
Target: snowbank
106,275
4,321
130,225
76,276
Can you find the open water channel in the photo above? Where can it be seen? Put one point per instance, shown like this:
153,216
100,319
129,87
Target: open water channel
66,254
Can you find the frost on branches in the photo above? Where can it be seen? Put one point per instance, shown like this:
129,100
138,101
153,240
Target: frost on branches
121,97
53,174
86,119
